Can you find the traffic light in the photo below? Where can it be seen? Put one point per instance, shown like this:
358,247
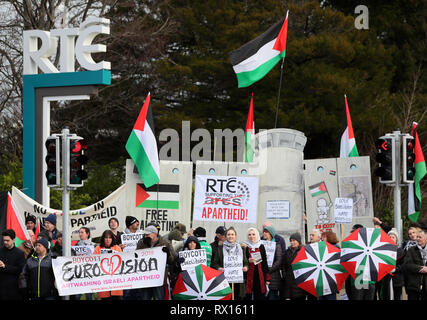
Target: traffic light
408,159
52,161
385,157
78,159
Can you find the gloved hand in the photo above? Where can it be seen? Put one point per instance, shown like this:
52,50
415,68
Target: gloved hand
181,260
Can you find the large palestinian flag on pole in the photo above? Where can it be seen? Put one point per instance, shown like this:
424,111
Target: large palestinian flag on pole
249,133
160,196
255,59
348,146
414,189
142,146
14,221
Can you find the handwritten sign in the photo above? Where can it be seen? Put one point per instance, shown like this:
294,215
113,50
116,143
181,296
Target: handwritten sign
193,258
130,240
233,271
343,210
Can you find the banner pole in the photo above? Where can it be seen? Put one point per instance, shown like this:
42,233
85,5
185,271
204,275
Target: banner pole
278,95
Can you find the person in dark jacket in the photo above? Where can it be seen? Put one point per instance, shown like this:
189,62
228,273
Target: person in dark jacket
291,291
38,277
274,270
12,260
415,268
219,240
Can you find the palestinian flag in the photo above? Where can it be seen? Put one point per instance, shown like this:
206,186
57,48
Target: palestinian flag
348,146
318,189
255,59
161,196
414,189
142,146
249,133
14,221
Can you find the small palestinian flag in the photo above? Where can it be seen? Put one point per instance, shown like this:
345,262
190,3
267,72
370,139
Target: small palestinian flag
249,133
142,146
255,59
414,189
14,221
161,196
318,189
348,146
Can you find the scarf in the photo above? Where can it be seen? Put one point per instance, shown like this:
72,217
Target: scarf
423,252
232,249
410,243
257,243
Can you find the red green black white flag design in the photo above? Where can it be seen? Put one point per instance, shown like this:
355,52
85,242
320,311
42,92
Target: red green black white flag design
142,146
255,59
15,222
249,133
414,189
348,146
160,196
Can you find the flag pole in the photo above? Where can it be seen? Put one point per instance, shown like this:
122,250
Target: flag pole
278,94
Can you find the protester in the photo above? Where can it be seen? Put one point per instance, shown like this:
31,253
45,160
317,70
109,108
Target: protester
56,250
219,240
257,277
38,277
291,290
330,237
415,268
107,245
192,243
315,236
175,239
12,260
113,224
278,238
50,226
269,234
379,224
28,245
231,247
391,284
200,233
152,239
31,222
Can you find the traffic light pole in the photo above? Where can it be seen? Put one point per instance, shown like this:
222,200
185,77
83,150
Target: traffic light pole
66,234
397,186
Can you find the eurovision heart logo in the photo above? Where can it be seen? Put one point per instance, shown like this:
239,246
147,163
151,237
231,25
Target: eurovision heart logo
111,265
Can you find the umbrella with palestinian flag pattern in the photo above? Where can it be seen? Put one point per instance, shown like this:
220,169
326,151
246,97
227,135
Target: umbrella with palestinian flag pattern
202,283
317,269
370,253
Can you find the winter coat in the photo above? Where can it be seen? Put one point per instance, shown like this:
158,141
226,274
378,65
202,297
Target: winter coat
107,294
274,270
38,277
161,242
218,262
291,290
14,260
411,265
257,273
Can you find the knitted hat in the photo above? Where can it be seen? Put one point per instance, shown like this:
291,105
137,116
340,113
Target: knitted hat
200,232
271,230
31,218
395,233
52,219
130,221
295,236
150,229
43,242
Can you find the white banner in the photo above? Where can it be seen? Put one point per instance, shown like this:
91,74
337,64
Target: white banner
193,258
94,217
226,199
111,271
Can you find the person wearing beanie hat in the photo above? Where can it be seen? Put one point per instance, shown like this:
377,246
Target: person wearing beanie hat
37,276
30,222
219,240
274,260
132,224
113,224
291,291
50,226
200,233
